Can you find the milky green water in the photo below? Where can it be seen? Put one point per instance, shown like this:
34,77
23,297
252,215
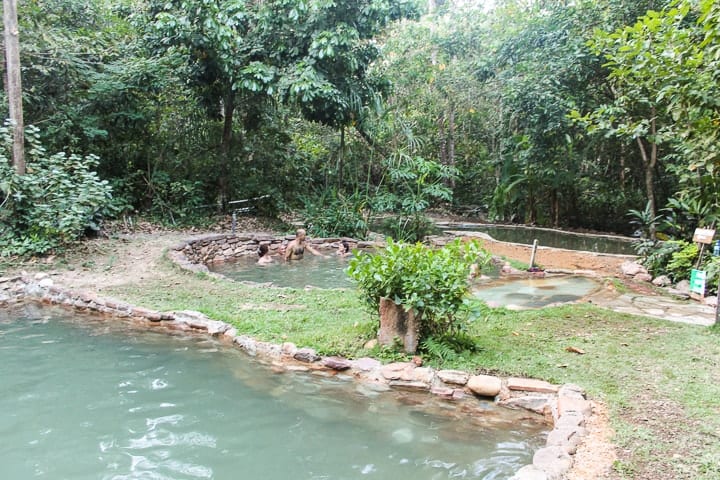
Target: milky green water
314,271
84,398
534,292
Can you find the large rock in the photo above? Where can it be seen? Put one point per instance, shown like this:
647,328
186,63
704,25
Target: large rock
662,281
554,461
398,323
529,472
630,269
534,403
307,355
484,385
683,287
398,371
643,277
337,363
366,364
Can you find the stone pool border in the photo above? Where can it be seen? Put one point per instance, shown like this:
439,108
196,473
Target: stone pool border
196,254
565,407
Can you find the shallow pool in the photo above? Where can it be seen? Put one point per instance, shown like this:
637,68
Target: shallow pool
84,398
314,271
534,292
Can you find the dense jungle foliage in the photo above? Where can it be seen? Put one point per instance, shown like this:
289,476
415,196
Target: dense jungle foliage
590,114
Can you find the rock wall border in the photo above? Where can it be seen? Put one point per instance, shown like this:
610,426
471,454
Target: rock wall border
196,254
564,407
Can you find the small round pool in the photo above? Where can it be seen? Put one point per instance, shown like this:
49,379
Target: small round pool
521,293
314,271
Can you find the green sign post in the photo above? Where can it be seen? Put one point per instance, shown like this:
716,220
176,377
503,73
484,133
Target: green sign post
697,281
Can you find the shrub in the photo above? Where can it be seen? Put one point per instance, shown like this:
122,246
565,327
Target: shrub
414,184
333,214
712,267
657,255
433,282
53,203
409,228
682,261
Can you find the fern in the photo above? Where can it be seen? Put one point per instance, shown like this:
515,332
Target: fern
439,349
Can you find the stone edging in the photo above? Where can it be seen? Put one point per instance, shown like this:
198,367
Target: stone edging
197,253
565,407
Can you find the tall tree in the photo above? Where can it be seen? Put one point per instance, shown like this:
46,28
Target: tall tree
14,83
245,55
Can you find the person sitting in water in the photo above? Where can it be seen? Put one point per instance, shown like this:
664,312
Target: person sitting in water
264,253
296,248
344,249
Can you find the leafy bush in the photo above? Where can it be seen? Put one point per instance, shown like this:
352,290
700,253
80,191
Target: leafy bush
177,202
644,221
54,203
712,267
682,261
414,183
449,347
333,214
433,282
657,255
409,228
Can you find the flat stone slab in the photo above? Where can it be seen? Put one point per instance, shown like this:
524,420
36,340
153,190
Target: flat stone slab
454,377
531,385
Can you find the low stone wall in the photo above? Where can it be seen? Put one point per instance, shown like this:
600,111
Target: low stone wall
564,407
222,248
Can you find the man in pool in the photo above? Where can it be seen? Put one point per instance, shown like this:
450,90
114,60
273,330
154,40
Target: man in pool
296,248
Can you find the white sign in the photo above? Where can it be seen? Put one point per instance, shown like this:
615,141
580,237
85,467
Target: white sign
703,235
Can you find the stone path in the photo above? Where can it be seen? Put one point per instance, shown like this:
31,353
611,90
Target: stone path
667,308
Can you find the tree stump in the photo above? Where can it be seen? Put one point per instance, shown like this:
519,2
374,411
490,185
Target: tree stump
396,322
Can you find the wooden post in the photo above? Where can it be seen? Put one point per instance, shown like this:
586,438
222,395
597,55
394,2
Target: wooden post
14,85
532,255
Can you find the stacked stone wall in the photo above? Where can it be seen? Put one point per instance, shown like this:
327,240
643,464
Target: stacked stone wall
224,248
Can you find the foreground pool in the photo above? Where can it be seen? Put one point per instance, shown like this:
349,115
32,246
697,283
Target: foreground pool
84,398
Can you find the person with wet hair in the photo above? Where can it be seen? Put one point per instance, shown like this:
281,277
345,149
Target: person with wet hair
296,248
343,249
264,254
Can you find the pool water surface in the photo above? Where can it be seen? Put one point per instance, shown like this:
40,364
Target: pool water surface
514,292
313,271
534,292
86,398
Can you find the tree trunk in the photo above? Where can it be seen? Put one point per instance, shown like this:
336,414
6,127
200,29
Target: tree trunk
341,158
225,144
14,85
451,140
442,140
622,168
649,161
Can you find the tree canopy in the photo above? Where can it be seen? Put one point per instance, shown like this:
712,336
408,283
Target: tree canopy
541,112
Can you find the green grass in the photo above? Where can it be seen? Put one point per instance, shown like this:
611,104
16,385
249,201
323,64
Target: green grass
660,379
